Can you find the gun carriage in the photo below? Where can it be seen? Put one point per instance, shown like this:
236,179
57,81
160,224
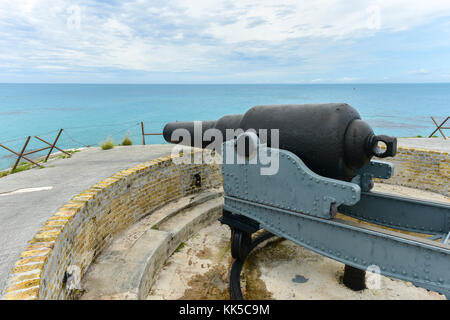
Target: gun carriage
324,167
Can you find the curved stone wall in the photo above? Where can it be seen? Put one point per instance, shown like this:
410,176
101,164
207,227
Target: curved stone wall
71,239
422,169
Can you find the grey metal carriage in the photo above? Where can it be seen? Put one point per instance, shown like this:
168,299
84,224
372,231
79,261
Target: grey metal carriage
300,204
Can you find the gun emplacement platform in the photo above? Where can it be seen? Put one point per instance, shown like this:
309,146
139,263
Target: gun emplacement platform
317,177
299,205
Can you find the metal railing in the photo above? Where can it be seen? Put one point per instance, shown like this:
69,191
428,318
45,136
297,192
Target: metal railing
439,127
23,153
147,134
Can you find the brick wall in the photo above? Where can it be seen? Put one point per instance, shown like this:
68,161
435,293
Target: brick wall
421,169
79,231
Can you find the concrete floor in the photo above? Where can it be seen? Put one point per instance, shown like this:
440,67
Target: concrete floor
279,270
23,213
438,144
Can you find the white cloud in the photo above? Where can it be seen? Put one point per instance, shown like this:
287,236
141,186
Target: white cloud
320,18
348,79
201,35
419,72
52,67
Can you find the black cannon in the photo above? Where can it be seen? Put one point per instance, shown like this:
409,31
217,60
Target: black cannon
331,138
325,168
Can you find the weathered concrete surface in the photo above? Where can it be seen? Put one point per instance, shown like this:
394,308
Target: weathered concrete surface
23,213
279,270
438,144
127,267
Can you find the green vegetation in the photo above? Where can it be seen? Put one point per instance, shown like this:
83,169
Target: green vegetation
419,136
180,246
108,144
26,165
64,156
127,141
23,166
155,227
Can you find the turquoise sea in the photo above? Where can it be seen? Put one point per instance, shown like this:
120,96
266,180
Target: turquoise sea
89,113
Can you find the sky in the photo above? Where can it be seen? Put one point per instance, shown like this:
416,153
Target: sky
211,41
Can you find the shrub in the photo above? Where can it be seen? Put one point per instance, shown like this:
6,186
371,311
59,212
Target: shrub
108,144
127,141
22,167
180,246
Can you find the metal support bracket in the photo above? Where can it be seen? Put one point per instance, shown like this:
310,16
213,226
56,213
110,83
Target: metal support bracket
425,263
237,221
400,213
293,187
299,205
374,169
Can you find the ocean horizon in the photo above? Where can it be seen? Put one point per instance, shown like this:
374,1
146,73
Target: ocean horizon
90,113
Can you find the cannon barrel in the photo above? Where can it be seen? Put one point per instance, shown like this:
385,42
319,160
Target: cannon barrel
331,139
